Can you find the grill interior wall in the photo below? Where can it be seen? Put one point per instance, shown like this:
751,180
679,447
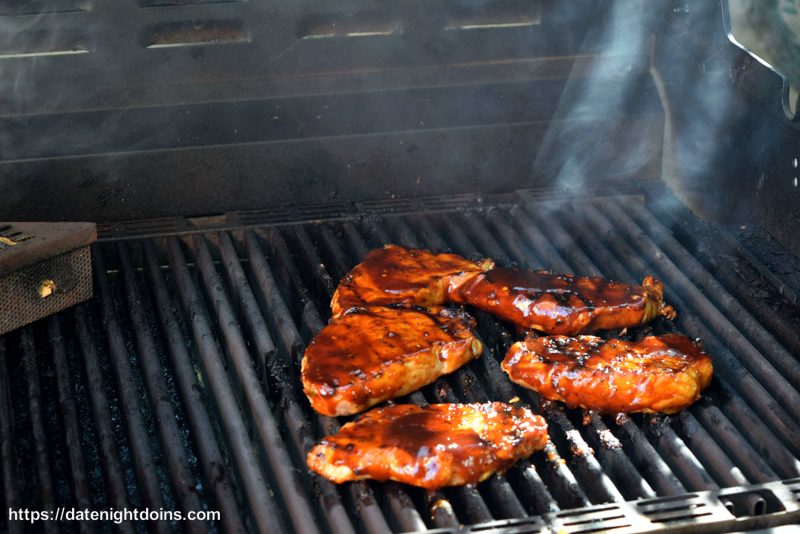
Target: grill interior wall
177,387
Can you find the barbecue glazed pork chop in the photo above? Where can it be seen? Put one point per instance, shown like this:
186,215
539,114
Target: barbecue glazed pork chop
656,374
374,354
562,303
405,276
431,446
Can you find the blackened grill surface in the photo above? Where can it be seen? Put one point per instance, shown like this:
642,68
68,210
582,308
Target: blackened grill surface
177,386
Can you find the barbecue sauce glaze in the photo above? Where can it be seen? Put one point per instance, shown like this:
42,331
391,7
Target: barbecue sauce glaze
431,446
656,374
395,275
378,353
562,303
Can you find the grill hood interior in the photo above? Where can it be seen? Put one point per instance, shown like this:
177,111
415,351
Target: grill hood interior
165,109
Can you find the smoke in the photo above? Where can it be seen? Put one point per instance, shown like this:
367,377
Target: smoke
445,102
656,100
709,154
31,35
599,128
770,30
37,42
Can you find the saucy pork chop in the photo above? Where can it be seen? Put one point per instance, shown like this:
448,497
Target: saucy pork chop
562,303
405,276
431,446
374,354
656,374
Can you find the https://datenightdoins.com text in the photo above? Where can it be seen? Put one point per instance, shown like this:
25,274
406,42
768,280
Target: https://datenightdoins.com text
116,516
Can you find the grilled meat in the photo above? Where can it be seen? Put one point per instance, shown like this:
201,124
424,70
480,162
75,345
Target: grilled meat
373,354
432,446
656,374
562,303
397,275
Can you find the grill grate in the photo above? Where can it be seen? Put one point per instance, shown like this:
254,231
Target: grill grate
176,386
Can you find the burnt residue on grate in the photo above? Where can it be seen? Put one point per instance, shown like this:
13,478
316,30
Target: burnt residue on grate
177,385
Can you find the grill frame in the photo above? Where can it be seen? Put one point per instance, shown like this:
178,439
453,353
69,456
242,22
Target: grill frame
239,305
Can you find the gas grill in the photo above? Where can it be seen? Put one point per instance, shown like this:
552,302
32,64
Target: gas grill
236,174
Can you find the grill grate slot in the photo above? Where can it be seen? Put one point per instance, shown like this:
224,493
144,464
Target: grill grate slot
72,434
160,3
717,316
105,416
40,43
195,33
511,15
364,24
211,456
134,403
177,386
38,7
41,460
729,371
227,392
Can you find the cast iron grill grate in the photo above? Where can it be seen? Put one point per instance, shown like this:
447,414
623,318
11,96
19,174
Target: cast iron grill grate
176,386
